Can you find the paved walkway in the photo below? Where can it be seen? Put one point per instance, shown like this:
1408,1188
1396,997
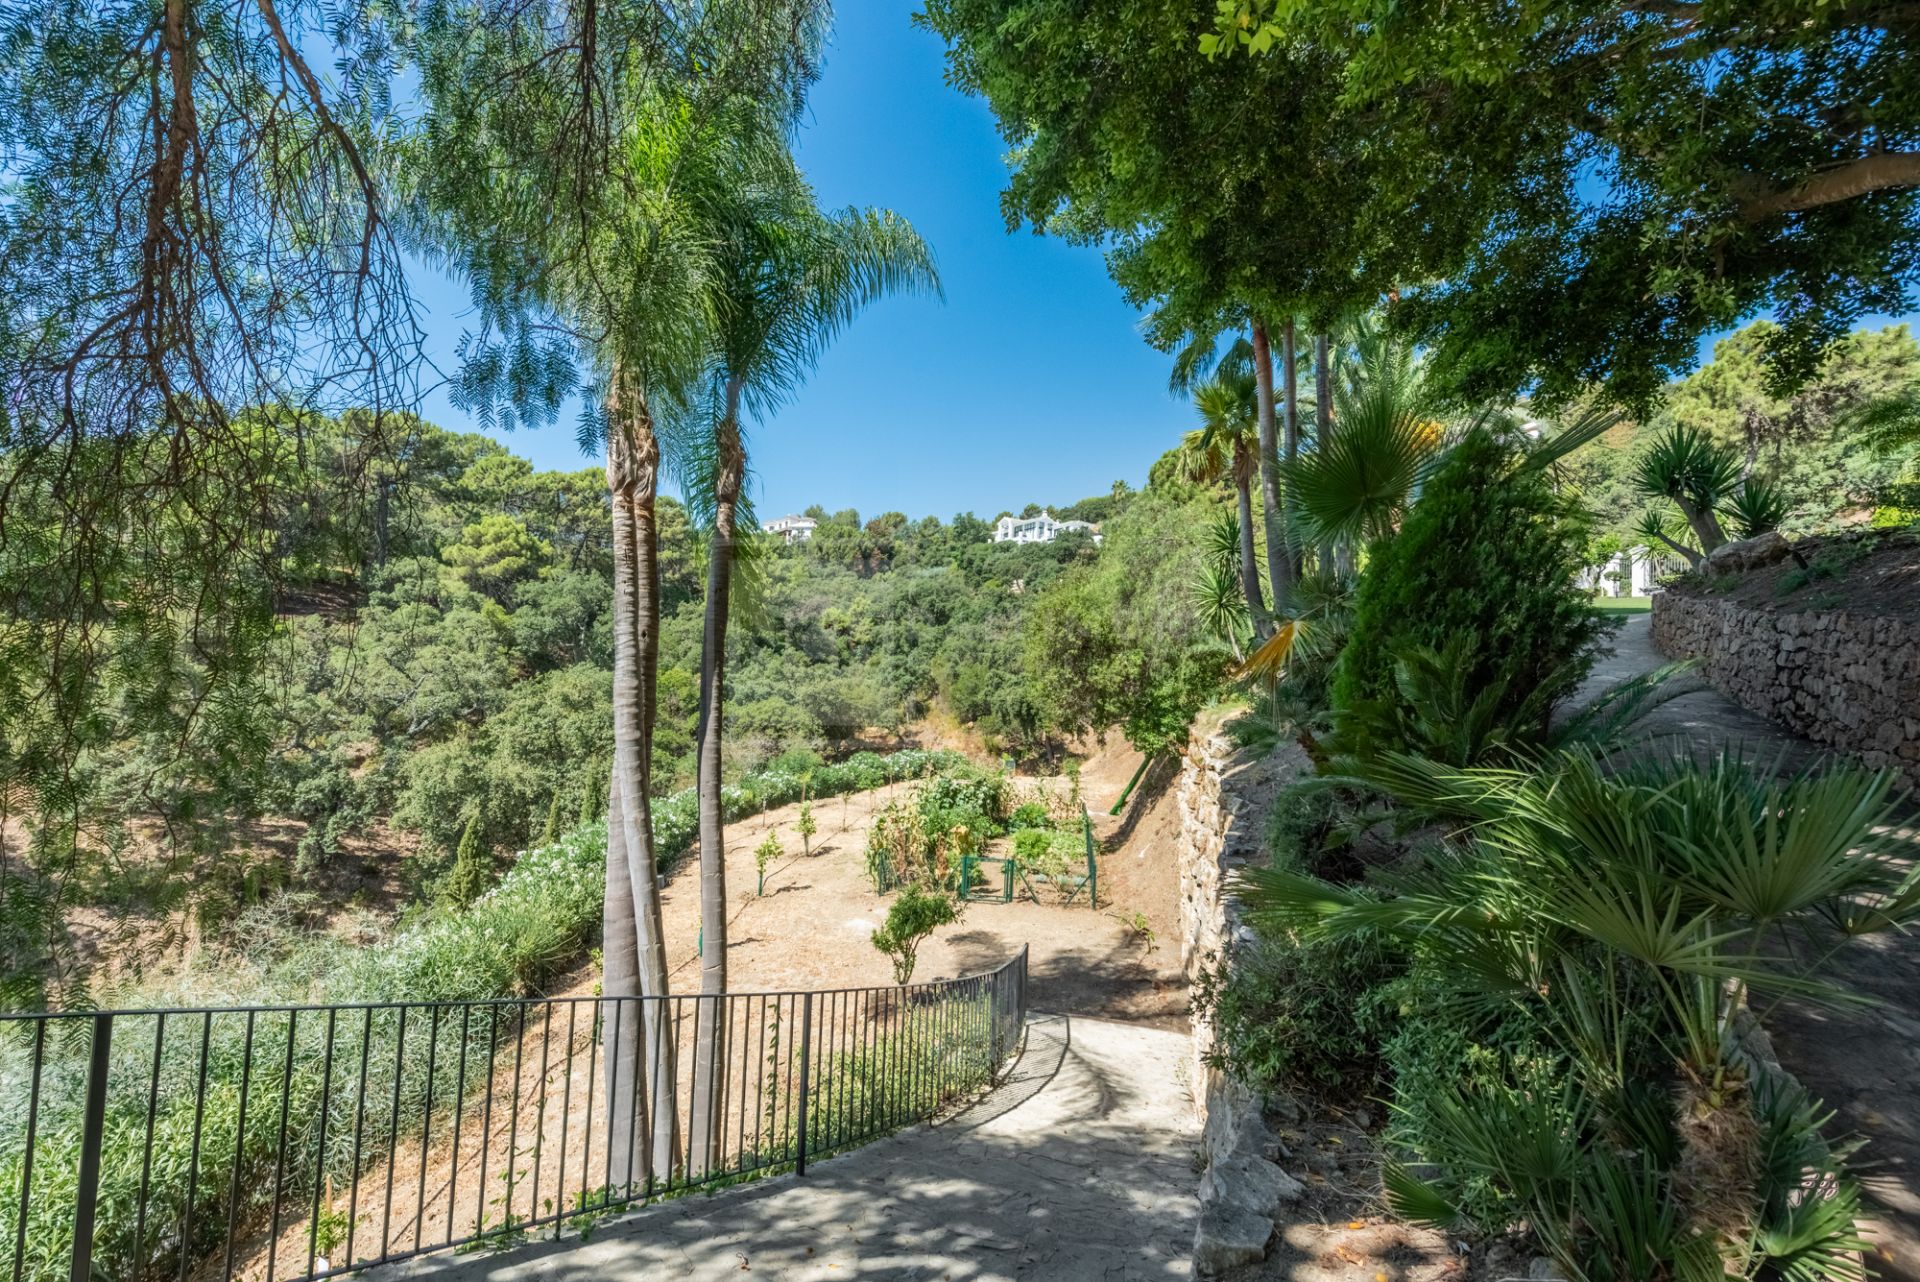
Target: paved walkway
1863,1062
1080,1166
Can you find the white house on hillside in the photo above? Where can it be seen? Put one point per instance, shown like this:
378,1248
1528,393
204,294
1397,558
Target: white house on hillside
1044,528
793,529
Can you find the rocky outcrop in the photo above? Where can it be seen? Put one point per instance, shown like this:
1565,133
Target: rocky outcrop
1848,680
1222,799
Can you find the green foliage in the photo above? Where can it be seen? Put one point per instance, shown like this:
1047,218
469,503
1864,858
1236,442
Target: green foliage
806,825
1594,936
1116,642
1029,815
1726,194
921,839
495,554
764,856
472,869
1292,1014
1756,507
1489,553
914,914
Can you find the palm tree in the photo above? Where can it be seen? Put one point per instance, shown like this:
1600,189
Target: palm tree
1279,569
1627,912
1227,446
786,279
1356,485
583,227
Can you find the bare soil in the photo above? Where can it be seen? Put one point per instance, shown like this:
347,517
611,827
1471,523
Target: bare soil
1868,572
1341,1231
811,928
808,931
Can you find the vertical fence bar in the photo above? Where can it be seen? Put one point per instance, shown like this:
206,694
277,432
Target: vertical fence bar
280,1151
393,1131
320,1149
426,1133
92,1132
566,1110
806,1036
193,1159
26,1159
239,1149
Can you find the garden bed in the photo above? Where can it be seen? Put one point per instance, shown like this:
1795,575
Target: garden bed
1865,572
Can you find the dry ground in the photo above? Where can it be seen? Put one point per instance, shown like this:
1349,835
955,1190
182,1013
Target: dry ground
808,931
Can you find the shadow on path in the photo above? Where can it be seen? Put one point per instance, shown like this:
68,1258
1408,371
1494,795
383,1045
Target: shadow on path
1077,1166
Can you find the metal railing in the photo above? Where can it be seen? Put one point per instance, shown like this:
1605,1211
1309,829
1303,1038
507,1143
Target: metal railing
299,1142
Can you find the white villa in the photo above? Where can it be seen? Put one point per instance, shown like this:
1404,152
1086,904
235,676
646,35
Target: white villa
1044,528
793,529
1628,573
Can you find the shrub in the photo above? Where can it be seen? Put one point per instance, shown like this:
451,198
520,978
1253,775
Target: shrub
806,826
763,857
1301,1014
914,915
472,870
1032,814
1489,552
1596,944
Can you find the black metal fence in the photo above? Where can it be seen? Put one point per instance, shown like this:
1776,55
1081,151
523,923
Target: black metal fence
298,1142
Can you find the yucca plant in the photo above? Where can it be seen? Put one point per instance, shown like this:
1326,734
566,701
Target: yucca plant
1685,466
1624,914
1756,507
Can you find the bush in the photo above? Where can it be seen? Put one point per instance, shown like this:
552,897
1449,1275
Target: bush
472,870
914,915
1298,1014
1032,814
1489,552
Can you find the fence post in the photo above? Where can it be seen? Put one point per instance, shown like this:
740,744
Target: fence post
806,1038
92,1132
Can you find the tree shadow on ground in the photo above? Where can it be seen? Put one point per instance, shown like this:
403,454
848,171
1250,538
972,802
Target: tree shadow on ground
1047,1177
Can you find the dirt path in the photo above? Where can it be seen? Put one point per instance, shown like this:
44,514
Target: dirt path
1863,1062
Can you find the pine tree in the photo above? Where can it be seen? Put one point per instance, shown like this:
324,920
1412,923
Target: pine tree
551,833
472,871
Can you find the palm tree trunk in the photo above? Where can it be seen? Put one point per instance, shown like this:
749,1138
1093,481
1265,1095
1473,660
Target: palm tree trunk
1290,422
1249,563
1279,571
710,1054
634,948
1330,552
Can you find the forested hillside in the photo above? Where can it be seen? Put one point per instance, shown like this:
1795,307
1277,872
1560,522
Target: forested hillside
435,651
1806,442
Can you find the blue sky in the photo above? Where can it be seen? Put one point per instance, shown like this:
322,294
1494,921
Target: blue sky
1030,383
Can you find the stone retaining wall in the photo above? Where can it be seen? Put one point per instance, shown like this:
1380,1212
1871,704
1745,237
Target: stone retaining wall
1222,797
1847,680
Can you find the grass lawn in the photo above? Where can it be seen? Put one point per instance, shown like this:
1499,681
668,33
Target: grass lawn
1623,604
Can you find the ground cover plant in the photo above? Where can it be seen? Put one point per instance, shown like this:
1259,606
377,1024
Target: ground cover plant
1587,949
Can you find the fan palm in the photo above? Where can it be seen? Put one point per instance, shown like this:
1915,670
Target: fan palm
1623,913
785,279
1356,485
1226,446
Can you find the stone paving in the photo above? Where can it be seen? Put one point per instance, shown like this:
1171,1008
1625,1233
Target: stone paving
1078,1166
